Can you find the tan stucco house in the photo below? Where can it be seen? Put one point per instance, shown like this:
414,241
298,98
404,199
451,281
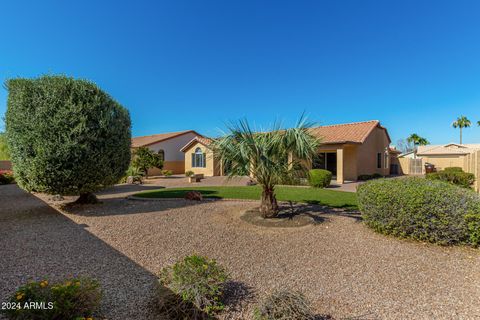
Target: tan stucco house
347,150
169,145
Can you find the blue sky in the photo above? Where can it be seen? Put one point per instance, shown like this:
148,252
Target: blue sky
176,65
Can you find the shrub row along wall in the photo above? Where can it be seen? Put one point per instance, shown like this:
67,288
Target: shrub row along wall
421,209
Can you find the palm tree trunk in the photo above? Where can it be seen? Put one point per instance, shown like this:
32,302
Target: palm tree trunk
460,135
268,205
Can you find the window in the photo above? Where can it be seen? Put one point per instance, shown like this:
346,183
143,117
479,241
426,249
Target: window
379,160
162,154
199,159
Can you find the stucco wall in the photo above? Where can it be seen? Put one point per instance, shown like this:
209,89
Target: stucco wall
444,161
172,146
211,169
376,142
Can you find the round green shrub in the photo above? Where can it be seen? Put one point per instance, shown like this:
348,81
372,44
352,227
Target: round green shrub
453,175
189,173
65,136
197,280
75,298
284,304
421,209
319,178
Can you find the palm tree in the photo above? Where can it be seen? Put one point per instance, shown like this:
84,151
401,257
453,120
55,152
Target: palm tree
417,141
268,157
461,122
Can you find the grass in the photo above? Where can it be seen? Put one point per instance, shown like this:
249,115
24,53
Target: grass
336,199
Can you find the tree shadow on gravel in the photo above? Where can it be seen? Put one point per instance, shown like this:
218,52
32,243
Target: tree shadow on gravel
38,242
237,295
124,188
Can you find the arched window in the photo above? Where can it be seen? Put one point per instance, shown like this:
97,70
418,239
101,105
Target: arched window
162,154
199,159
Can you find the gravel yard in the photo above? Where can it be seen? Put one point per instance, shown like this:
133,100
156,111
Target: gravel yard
343,267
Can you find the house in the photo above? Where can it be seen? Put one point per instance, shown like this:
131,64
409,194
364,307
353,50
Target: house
169,145
199,157
347,150
465,156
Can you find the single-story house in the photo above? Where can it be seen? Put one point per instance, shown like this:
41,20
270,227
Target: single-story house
347,150
465,156
169,145
199,157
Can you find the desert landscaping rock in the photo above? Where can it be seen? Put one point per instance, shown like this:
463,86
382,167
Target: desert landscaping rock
343,267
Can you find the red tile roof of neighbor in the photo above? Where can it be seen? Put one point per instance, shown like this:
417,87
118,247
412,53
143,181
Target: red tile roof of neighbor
200,139
154,138
355,132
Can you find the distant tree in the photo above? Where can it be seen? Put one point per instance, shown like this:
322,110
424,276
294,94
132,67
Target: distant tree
144,159
4,153
66,136
405,146
417,141
268,157
461,122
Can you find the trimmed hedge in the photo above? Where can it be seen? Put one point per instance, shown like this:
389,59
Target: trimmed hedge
319,178
65,136
421,209
366,177
453,175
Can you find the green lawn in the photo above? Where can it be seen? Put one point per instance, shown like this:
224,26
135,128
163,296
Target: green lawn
337,199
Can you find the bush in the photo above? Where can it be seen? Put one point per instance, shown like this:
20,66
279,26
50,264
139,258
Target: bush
282,305
319,178
76,298
198,280
6,177
473,225
167,173
366,177
421,209
144,159
65,136
189,173
453,175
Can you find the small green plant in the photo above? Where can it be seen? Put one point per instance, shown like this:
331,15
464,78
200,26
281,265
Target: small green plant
144,159
453,175
134,172
319,178
75,298
189,173
6,177
282,305
197,280
167,173
422,209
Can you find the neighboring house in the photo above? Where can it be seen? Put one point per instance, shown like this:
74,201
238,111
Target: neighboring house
347,150
465,156
199,157
169,145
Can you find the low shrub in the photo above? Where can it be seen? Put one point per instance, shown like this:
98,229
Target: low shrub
453,175
167,173
189,173
421,209
197,280
6,177
134,172
319,178
366,177
76,298
282,305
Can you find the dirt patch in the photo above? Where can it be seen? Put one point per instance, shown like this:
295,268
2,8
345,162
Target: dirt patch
289,217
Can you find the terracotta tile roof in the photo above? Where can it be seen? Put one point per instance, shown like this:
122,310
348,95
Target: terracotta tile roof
200,139
154,138
355,132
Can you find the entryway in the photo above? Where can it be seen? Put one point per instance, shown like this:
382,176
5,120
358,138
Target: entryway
327,161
